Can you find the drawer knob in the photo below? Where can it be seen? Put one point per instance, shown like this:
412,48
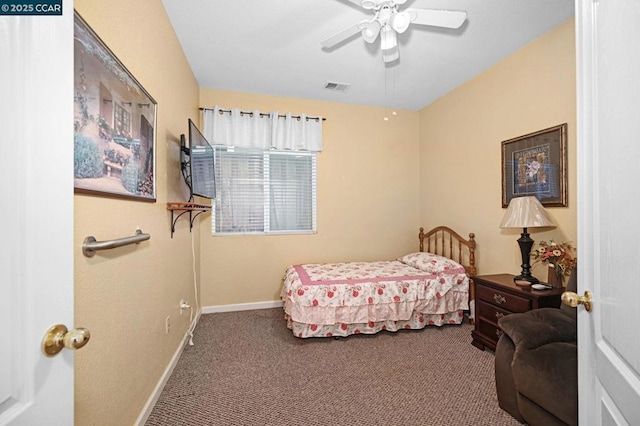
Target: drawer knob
499,299
499,315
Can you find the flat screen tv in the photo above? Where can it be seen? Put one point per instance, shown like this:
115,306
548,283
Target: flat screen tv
198,164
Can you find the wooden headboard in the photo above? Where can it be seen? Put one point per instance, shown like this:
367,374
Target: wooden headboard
446,242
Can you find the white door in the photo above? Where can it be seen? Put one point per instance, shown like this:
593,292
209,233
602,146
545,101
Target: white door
36,216
608,47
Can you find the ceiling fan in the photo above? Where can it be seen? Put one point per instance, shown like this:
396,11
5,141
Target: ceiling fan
388,21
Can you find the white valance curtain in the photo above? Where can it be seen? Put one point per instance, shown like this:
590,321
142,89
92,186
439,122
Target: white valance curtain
261,130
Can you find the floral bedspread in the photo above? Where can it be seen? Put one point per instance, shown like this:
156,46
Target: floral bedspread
333,294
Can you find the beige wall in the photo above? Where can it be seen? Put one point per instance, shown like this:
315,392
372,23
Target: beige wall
533,89
367,200
123,296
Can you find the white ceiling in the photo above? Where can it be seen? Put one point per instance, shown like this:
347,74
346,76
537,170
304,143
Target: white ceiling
273,47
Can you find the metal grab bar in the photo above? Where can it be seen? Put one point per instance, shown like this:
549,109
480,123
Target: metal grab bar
90,245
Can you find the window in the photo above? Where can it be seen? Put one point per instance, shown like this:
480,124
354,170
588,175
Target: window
122,124
264,192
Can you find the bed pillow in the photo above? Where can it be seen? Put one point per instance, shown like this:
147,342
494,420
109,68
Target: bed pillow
429,262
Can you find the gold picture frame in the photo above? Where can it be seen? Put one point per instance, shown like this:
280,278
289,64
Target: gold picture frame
536,165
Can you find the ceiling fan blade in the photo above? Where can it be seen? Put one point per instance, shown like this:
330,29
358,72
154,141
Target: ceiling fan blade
437,18
341,36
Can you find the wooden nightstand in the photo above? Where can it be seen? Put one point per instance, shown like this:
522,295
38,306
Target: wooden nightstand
497,296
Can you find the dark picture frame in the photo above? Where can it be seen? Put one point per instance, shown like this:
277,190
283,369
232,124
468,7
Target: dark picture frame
114,123
536,165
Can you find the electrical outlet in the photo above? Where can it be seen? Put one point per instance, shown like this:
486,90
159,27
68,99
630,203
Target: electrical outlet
167,324
184,305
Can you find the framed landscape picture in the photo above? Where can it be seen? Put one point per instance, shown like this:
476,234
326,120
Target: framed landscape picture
114,124
535,165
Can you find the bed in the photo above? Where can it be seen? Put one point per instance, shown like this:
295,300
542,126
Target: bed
429,287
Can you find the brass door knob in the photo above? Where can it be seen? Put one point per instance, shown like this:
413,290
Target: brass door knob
58,338
572,299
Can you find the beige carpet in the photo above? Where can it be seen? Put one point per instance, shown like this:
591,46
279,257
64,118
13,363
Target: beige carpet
246,368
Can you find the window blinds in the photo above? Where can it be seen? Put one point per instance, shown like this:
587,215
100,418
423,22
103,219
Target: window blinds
264,191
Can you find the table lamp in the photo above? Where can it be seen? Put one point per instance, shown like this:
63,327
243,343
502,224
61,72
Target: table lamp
526,212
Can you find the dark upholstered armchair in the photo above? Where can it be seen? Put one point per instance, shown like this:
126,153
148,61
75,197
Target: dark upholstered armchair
536,363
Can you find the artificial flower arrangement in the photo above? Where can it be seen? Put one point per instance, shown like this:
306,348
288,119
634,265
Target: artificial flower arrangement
560,256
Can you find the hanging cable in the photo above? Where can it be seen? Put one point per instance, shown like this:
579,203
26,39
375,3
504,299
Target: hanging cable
192,324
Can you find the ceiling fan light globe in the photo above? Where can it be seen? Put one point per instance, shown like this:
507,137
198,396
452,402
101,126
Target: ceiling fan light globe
400,21
370,31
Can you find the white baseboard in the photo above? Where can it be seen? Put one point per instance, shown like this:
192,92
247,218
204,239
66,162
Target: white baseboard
241,307
155,395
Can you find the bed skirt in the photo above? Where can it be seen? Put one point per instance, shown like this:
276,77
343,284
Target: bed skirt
415,322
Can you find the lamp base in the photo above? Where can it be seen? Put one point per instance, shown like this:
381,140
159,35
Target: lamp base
531,279
525,242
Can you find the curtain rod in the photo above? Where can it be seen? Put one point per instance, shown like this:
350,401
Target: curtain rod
262,114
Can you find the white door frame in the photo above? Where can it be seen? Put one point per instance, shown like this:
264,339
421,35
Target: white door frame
586,162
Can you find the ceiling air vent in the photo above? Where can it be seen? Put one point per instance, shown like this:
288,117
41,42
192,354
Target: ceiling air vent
337,87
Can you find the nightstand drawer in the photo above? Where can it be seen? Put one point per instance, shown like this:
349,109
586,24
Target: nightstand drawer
493,332
490,312
504,300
